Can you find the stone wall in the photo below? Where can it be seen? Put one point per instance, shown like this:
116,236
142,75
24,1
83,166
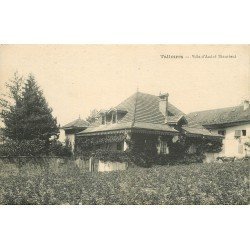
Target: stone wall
56,163
111,166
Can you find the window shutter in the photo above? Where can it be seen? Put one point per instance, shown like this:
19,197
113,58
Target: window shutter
237,133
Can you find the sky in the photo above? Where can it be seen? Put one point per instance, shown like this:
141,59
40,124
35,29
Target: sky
78,78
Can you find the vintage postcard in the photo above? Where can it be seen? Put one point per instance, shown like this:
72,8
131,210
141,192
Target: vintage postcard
124,124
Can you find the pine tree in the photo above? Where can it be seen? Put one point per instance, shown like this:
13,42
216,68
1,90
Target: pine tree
30,117
10,104
37,119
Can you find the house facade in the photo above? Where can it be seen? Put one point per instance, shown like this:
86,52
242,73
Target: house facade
69,131
143,121
233,123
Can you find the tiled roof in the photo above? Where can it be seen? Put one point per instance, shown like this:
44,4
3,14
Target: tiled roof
175,119
142,112
219,116
129,125
108,127
78,123
147,109
199,131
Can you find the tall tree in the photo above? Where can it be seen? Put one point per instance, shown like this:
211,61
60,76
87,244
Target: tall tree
37,120
10,104
30,116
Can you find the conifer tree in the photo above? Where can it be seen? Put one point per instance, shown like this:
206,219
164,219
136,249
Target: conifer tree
10,104
37,119
29,117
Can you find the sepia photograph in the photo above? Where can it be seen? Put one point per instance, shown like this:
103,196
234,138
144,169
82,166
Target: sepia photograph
124,124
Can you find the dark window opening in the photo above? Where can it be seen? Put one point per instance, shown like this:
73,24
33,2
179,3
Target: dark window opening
114,118
103,119
222,132
244,132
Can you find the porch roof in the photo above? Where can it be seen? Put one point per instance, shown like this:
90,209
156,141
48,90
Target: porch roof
136,127
200,131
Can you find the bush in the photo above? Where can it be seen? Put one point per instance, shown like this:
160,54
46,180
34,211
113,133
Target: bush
34,147
175,160
56,148
23,148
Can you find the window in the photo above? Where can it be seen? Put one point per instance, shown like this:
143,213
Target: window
164,148
114,118
222,132
103,119
237,133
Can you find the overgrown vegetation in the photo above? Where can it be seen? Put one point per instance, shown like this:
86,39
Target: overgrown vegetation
142,149
225,183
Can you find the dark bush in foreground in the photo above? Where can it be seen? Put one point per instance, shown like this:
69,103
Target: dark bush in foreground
225,183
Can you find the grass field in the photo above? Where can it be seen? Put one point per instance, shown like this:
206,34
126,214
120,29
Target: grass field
221,183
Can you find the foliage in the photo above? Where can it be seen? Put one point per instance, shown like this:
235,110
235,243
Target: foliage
86,143
28,117
211,184
211,146
109,155
11,98
173,160
20,148
92,116
29,124
139,158
142,149
34,147
247,143
56,148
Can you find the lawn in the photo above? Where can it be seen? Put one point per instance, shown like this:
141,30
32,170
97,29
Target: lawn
217,183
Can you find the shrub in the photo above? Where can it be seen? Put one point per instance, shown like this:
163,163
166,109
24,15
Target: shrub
56,148
23,148
175,160
34,147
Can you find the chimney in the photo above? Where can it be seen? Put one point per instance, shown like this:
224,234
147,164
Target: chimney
246,104
163,105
